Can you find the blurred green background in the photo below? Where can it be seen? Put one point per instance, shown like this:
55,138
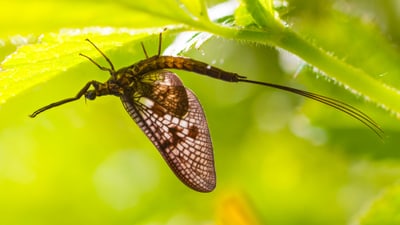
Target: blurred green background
280,158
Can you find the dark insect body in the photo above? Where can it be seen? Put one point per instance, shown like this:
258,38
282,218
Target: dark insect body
171,115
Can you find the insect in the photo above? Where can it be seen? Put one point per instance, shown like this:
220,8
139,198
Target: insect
171,116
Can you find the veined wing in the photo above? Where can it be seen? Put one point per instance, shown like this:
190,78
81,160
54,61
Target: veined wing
183,141
166,90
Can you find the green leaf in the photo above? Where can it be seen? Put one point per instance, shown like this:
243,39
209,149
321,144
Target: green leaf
54,53
196,8
26,17
262,12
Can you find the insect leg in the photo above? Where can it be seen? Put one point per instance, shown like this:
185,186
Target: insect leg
111,69
82,92
144,50
159,47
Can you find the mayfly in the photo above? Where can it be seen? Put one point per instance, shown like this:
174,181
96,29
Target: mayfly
171,116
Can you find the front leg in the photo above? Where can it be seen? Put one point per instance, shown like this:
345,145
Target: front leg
99,89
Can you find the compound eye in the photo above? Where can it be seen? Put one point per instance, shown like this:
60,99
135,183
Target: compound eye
91,95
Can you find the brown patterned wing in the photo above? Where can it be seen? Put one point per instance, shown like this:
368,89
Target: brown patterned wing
167,90
182,137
